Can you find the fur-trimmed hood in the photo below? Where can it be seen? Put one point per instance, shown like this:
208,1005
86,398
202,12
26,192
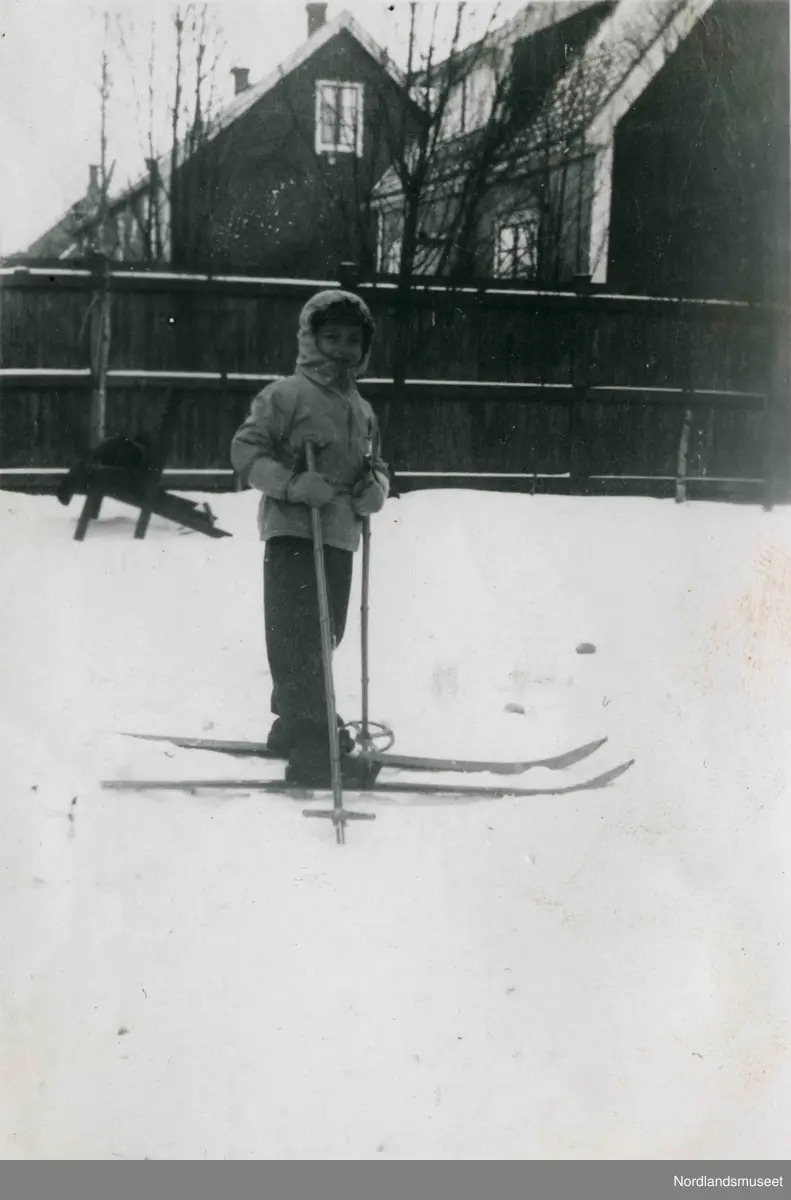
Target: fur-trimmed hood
310,360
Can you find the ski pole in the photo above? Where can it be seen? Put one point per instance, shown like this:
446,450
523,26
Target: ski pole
365,736
365,732
326,657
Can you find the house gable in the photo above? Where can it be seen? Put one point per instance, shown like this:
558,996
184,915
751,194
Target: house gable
342,25
636,44
701,187
627,45
274,200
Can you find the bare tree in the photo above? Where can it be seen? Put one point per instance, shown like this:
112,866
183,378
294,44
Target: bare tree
165,211
176,208
475,166
425,205
100,324
147,211
152,227
104,177
190,174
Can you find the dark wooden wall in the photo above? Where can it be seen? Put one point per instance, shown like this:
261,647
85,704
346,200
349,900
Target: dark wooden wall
701,186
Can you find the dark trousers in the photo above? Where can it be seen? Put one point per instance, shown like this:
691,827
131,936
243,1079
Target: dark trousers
293,630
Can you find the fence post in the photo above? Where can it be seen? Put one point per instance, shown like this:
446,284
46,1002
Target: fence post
580,381
349,276
100,348
683,451
682,464
777,430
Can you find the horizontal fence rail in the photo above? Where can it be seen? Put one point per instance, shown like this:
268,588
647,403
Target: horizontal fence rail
574,390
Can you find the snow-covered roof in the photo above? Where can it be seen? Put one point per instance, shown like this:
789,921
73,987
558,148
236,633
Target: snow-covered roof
627,51
641,35
533,18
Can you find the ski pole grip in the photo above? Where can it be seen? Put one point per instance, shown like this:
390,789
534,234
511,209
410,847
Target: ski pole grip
310,456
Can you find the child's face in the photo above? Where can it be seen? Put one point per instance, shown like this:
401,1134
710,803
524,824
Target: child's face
342,344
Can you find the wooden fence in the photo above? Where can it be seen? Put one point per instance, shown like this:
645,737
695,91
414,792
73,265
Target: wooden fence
576,391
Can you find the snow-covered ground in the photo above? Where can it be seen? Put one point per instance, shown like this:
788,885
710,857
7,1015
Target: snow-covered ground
210,975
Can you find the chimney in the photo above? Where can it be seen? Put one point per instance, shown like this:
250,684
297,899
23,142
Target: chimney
317,16
241,79
93,180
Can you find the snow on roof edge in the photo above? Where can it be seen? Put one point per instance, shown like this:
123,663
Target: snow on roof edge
681,17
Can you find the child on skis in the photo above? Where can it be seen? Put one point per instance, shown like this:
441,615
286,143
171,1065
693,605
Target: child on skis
320,404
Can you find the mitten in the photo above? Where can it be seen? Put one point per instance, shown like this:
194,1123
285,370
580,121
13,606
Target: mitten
369,496
309,488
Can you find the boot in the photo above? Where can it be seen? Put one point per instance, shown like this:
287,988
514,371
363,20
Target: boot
280,739
345,739
310,766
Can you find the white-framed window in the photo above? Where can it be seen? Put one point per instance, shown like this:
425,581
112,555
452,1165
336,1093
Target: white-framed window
389,239
339,117
470,102
516,245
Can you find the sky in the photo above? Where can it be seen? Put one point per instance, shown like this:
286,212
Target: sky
50,53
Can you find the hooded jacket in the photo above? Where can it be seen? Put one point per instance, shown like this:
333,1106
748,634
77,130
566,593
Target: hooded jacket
321,404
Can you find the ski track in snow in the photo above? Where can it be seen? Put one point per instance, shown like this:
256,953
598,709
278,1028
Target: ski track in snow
595,976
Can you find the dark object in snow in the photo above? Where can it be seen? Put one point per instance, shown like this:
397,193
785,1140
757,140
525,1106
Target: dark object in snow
515,708
586,648
130,459
130,470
